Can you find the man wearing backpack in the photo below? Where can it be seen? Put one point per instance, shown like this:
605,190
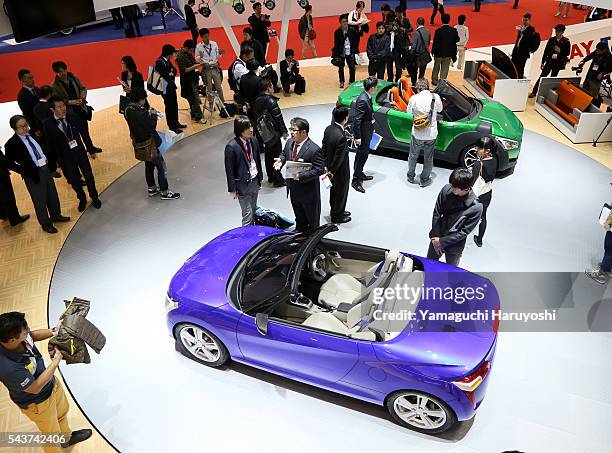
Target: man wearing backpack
527,42
424,107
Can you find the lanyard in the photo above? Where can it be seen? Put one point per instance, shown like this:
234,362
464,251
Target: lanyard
68,132
249,153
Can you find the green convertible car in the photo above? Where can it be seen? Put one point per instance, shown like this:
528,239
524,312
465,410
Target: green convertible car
462,122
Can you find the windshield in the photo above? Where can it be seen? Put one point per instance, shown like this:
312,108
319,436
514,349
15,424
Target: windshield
457,105
267,271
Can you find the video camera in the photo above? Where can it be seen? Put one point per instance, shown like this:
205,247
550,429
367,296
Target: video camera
578,69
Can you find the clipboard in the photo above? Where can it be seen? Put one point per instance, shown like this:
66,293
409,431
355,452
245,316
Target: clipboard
375,141
604,214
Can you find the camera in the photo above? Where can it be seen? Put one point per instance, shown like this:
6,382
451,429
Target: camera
578,69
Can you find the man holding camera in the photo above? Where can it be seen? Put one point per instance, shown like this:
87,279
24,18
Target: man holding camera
556,56
259,23
600,67
208,53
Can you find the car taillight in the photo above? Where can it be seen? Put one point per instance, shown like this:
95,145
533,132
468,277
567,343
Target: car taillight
472,381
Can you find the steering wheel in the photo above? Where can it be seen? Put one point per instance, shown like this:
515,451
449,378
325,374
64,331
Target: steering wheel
318,265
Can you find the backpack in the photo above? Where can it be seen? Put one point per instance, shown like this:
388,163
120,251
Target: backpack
266,127
535,42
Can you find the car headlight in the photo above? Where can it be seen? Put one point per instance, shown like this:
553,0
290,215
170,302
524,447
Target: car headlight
507,143
171,304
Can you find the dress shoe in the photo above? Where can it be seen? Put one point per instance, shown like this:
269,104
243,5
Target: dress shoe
532,95
49,229
280,183
92,155
358,187
96,203
95,150
76,437
82,204
344,219
56,174
177,131
60,219
366,178
478,241
346,214
182,126
21,219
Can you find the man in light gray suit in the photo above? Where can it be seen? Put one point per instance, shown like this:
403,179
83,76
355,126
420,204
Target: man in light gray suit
304,188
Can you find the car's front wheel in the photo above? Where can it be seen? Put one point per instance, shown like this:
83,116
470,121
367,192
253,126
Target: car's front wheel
468,156
421,412
201,345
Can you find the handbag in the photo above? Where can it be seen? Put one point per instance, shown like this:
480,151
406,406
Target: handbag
480,186
124,101
423,58
312,35
337,61
145,151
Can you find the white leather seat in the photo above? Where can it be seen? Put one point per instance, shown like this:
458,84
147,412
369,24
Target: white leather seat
340,288
326,321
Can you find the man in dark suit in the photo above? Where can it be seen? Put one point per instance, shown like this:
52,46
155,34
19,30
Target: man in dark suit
345,47
259,23
27,98
304,188
166,69
363,128
190,19
556,55
42,112
290,74
335,150
249,86
8,204
27,158
527,42
63,134
443,49
243,168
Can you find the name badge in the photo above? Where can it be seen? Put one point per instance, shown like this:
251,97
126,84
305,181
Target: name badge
253,169
595,67
73,144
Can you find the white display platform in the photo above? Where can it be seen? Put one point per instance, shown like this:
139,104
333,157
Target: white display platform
512,93
589,126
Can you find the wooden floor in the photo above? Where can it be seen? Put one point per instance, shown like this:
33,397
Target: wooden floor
28,255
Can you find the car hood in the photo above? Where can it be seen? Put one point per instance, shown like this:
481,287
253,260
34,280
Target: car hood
203,278
505,122
453,349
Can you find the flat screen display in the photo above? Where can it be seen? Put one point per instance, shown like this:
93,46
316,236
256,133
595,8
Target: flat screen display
33,18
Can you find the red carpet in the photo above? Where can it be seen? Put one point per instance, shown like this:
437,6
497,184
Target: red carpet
98,64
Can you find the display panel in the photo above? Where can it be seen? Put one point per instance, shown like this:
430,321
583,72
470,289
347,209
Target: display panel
33,18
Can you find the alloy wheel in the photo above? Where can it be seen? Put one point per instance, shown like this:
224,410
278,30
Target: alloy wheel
470,157
200,344
419,411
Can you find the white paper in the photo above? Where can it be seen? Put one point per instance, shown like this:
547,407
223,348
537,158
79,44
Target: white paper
292,168
325,181
603,216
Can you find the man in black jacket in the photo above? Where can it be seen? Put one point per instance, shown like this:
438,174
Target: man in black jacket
258,50
456,214
378,50
556,56
243,168
363,129
304,188
290,74
42,113
443,49
63,135
142,123
345,47
527,42
265,108
26,157
259,23
8,204
166,69
190,19
335,150
27,98
249,86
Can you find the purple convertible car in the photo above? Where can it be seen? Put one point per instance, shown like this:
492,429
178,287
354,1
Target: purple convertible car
325,312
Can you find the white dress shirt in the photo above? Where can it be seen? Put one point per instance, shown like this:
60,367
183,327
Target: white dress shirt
464,35
43,159
207,53
420,104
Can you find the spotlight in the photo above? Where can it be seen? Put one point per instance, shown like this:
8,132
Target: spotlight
270,4
204,9
238,6
303,3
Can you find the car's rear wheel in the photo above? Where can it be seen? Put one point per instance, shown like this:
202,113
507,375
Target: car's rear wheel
420,411
468,156
201,345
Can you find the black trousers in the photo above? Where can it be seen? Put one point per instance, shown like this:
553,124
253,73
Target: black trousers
519,62
361,156
397,62
377,68
80,113
133,24
195,33
477,5
515,4
300,84
338,194
171,108
549,69
349,60
306,203
272,151
451,257
44,197
8,204
74,166
416,72
436,8
485,199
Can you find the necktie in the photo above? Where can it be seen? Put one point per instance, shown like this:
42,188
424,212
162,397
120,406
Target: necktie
33,148
294,151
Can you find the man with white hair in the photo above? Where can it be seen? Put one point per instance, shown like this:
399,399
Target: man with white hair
424,107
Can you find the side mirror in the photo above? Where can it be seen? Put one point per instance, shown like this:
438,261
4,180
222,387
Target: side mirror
261,321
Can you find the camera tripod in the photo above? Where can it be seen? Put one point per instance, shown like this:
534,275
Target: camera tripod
214,101
602,131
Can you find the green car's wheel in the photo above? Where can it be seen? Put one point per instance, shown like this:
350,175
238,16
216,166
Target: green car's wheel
468,157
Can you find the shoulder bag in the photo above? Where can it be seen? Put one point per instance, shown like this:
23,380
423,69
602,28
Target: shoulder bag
481,187
423,121
423,57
